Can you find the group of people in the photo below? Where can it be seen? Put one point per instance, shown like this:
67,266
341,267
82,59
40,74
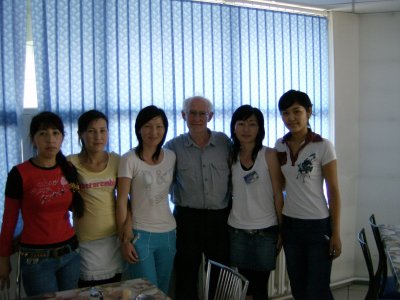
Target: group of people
228,196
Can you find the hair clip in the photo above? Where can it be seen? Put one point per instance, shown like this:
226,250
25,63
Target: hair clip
74,187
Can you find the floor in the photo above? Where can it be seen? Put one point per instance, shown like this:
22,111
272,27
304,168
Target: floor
351,292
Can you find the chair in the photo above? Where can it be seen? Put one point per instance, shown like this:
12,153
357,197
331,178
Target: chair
374,281
382,264
230,285
387,286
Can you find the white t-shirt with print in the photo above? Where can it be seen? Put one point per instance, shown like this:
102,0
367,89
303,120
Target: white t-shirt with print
149,191
305,197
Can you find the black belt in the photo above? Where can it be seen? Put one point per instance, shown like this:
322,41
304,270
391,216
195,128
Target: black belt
49,253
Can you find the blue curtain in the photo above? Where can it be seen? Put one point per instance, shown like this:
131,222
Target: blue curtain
120,55
12,63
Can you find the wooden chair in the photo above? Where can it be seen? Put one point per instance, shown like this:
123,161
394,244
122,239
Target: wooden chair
230,284
387,285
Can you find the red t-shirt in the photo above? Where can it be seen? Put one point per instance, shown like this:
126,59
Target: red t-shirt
44,198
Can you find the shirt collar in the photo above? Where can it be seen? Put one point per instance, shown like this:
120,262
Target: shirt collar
311,137
189,141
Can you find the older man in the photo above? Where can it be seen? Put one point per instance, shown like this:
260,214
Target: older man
200,194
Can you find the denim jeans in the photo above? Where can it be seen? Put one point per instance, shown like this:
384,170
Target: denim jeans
47,275
256,251
306,245
156,253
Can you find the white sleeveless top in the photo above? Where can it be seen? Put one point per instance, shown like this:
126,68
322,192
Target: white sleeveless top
253,202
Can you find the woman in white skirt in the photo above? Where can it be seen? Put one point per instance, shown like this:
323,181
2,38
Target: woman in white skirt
101,259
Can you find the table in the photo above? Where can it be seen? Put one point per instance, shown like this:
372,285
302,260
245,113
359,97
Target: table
390,235
125,290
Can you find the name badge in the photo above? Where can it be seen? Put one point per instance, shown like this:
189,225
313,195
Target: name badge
251,177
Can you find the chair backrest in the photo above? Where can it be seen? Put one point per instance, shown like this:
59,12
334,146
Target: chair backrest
373,286
228,285
382,270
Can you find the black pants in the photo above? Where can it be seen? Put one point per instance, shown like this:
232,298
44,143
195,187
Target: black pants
198,231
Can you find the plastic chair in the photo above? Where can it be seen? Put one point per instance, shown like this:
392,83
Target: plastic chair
230,284
388,285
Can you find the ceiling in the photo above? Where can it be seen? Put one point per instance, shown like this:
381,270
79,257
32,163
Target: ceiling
351,6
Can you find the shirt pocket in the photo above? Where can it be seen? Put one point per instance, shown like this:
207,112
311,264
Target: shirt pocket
220,177
186,175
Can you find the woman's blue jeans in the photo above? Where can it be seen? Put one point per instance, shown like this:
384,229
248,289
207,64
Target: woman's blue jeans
48,275
306,245
156,253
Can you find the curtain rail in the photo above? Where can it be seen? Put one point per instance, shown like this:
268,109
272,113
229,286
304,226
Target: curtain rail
272,5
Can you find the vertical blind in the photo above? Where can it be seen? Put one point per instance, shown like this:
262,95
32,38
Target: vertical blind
12,61
121,55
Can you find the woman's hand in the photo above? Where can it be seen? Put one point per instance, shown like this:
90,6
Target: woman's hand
5,270
279,244
126,235
335,247
129,252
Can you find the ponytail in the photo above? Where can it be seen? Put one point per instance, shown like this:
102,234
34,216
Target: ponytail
71,175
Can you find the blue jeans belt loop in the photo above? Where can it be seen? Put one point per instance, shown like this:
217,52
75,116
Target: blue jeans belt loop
48,253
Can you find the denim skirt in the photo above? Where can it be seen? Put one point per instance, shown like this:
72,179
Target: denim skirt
254,249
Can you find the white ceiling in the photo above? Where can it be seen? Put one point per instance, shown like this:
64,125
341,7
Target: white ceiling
352,6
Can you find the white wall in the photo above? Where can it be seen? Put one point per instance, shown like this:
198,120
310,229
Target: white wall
379,108
345,53
366,54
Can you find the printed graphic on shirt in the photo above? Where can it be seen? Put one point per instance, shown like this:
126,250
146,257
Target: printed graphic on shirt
160,179
306,167
48,190
98,184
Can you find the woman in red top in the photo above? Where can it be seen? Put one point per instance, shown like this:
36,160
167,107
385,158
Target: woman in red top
44,189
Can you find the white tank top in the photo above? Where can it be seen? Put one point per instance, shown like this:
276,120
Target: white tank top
253,203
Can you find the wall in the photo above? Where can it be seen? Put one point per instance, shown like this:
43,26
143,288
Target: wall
345,57
366,79
379,108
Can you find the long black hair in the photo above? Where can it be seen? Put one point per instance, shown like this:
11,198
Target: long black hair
242,113
46,120
145,115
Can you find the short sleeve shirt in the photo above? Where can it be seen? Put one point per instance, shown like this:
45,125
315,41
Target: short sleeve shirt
43,195
98,192
202,174
304,179
149,191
